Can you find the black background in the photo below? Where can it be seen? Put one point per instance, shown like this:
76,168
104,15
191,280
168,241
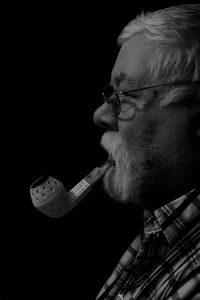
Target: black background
59,57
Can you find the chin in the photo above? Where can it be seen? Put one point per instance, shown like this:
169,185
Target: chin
121,186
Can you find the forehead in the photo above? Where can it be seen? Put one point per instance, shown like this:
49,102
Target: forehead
132,62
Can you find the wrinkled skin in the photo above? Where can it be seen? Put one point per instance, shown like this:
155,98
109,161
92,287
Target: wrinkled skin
157,151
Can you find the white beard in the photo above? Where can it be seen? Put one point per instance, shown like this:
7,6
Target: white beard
119,180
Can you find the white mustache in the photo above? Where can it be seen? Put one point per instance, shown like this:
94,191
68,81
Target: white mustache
111,142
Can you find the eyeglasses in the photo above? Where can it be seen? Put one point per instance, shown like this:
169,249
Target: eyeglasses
114,97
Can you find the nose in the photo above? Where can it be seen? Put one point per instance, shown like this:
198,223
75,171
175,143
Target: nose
103,118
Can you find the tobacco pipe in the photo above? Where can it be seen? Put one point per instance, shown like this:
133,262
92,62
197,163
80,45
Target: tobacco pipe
50,197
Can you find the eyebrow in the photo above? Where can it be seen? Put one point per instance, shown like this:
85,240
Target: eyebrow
123,78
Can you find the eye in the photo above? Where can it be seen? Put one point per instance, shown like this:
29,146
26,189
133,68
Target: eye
131,95
127,99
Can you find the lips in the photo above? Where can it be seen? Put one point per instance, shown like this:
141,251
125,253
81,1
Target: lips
110,157
111,160
112,164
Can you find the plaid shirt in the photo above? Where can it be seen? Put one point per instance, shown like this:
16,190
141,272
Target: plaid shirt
164,261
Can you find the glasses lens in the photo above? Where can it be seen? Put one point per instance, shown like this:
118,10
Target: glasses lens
111,98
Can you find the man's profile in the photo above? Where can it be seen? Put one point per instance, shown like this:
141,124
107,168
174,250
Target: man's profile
151,118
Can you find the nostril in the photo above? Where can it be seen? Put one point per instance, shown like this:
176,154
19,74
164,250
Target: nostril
105,125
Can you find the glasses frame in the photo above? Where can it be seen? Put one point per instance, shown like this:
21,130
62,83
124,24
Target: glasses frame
116,100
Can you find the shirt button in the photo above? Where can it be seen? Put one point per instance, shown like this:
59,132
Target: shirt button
119,297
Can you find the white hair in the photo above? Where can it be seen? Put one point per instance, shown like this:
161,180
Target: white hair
176,33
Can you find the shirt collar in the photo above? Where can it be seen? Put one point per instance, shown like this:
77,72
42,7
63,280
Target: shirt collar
176,227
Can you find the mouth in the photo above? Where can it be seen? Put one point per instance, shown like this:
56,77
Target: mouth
111,159
111,164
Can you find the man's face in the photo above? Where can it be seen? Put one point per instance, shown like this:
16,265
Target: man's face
150,149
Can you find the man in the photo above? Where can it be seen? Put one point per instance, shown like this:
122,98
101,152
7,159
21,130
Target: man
151,115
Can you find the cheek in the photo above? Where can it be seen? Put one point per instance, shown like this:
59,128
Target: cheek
139,135
170,142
